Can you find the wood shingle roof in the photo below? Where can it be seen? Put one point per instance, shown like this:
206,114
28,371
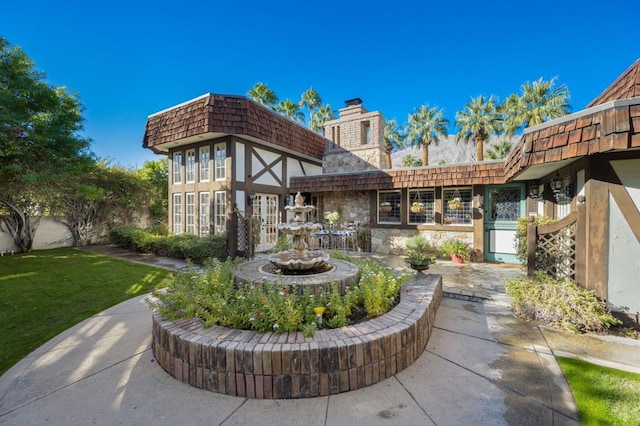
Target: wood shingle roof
625,86
213,114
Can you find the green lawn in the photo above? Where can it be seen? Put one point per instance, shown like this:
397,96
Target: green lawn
604,396
45,292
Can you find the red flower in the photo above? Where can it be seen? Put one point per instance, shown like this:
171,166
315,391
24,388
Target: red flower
285,291
375,278
258,314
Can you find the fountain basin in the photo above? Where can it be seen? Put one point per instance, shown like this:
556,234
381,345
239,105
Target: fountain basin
290,261
343,273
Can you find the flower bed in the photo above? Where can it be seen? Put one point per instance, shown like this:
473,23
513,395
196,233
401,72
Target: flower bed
288,365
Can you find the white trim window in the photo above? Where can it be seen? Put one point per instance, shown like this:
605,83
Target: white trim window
190,165
457,206
205,154
177,214
177,167
389,206
220,212
220,160
190,208
421,206
205,211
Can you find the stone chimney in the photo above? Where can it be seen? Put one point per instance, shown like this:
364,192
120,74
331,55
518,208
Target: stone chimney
356,140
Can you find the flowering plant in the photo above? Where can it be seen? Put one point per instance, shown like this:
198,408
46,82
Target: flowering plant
332,217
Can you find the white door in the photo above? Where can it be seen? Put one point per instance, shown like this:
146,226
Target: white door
265,209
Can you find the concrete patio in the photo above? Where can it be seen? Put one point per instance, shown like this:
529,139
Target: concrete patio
482,365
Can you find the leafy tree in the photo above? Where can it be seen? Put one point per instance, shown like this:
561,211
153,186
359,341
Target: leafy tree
156,175
410,160
323,114
290,110
40,146
262,94
393,138
310,99
499,150
480,119
102,196
424,128
538,102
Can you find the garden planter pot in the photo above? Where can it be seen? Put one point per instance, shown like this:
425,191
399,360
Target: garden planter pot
420,266
457,258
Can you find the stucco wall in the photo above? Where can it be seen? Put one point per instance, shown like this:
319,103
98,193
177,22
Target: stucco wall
623,292
51,233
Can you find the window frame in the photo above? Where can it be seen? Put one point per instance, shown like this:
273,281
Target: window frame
426,196
176,213
204,215
190,213
190,166
463,216
177,167
204,157
219,212
394,198
220,161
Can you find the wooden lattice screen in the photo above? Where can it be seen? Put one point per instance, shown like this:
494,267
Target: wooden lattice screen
242,244
557,248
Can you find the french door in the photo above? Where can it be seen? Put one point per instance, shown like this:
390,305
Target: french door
265,210
504,204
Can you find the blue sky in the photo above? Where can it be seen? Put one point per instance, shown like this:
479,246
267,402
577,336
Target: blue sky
129,59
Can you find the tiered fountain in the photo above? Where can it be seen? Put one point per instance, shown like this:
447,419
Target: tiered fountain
300,267
300,258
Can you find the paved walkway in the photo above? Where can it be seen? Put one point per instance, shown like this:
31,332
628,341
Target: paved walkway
481,366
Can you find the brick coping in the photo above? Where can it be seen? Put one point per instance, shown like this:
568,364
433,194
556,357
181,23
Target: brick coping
274,366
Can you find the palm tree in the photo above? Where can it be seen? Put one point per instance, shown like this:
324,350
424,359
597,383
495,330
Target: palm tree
323,114
393,138
423,128
290,110
499,150
262,94
311,100
480,119
538,102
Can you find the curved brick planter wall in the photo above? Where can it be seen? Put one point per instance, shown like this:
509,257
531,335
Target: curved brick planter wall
267,365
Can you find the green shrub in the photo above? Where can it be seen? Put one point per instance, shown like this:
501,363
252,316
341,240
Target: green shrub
550,301
283,244
186,246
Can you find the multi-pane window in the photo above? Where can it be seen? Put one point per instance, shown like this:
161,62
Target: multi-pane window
204,214
177,167
458,206
389,206
220,161
421,205
190,227
205,153
220,212
177,214
190,166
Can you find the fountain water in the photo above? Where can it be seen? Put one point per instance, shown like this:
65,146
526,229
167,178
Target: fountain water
299,258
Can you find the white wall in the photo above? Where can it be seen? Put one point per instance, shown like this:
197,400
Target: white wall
51,233
623,290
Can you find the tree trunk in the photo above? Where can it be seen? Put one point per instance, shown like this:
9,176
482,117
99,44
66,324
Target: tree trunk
388,155
479,149
425,154
21,227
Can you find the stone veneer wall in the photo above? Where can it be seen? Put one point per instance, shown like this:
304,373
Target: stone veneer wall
352,205
392,241
268,365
